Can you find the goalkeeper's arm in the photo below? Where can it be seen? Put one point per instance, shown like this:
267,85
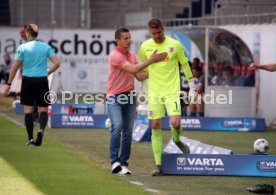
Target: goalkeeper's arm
189,75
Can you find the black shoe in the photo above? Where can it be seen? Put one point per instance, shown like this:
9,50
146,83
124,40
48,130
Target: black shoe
261,189
157,171
39,137
30,143
183,147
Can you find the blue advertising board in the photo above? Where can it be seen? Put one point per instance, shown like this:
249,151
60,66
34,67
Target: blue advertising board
219,123
187,123
141,132
80,108
19,109
78,121
211,164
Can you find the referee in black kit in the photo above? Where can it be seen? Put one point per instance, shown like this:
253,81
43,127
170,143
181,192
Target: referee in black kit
33,57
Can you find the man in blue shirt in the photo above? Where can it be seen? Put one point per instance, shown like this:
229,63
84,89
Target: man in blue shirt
5,69
33,57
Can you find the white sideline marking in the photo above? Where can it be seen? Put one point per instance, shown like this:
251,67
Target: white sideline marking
12,120
22,125
12,182
138,183
152,190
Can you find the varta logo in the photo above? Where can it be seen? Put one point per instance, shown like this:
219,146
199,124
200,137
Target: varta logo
272,163
181,161
233,123
200,161
267,165
65,118
190,121
205,161
81,119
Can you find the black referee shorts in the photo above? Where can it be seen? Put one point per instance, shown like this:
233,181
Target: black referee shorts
33,90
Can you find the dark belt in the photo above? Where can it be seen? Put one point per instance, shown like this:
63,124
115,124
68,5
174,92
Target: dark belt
126,93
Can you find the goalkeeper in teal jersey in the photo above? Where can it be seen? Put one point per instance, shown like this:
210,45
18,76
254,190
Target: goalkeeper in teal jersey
164,87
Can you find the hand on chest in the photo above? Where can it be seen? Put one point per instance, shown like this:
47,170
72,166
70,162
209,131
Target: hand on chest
171,54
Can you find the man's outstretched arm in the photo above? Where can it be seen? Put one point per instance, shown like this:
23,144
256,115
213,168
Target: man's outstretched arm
267,67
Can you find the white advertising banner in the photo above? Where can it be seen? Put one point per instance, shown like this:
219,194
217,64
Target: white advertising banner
82,53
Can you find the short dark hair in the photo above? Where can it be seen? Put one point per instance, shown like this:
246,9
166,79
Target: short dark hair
228,69
197,60
197,68
32,29
119,31
155,23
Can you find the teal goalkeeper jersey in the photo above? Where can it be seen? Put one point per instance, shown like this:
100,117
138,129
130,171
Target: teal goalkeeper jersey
164,75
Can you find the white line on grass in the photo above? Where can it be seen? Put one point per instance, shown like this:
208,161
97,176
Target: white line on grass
138,183
12,182
22,125
152,190
12,120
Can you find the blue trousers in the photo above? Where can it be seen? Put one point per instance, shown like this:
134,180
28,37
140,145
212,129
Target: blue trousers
122,116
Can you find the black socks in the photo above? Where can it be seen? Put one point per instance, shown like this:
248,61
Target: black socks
197,114
29,122
43,119
192,114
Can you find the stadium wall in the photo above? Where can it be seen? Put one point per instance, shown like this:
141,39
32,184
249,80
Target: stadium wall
261,40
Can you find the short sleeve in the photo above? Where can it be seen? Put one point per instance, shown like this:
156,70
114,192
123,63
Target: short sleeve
19,53
51,52
116,61
133,59
201,80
